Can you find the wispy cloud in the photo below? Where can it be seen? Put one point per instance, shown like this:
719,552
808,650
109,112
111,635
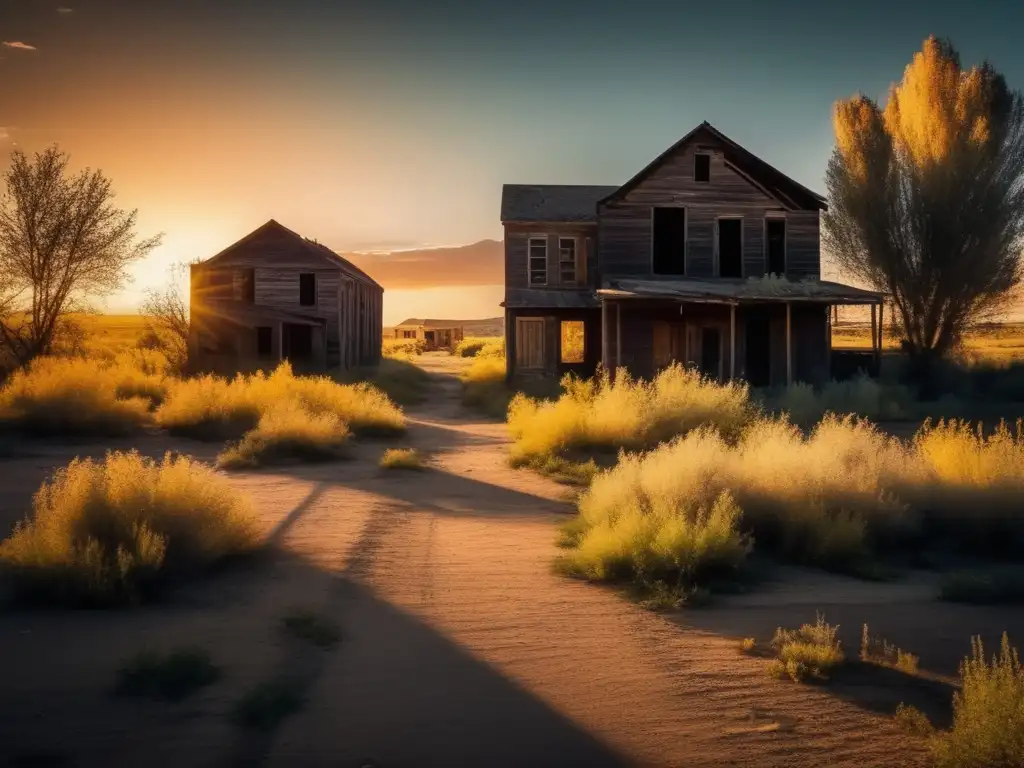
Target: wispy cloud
5,133
18,45
65,9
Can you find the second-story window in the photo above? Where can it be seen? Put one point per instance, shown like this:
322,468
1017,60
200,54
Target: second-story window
567,259
307,289
538,261
702,167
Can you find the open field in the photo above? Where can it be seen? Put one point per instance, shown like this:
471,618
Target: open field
449,628
1003,343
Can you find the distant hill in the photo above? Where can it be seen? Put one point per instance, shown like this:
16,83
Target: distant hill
481,263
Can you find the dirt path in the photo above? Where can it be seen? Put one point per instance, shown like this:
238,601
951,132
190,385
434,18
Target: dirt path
460,646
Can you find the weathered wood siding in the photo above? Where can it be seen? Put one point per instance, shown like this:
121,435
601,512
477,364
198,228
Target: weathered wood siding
351,307
517,237
625,225
554,368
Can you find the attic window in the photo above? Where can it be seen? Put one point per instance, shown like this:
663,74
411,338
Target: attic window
702,167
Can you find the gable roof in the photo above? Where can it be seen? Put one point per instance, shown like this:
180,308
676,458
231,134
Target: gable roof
551,202
303,245
774,181
420,322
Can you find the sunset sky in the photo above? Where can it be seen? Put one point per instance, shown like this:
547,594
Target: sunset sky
390,124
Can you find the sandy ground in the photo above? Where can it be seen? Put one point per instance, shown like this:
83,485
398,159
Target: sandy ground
460,646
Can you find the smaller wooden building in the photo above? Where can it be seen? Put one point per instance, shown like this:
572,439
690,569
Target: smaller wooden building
436,334
275,295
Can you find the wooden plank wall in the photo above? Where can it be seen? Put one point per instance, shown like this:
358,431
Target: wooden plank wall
624,228
516,254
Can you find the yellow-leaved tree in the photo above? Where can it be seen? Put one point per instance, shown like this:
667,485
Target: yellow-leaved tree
926,197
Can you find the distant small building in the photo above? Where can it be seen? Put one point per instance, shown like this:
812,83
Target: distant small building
273,296
437,334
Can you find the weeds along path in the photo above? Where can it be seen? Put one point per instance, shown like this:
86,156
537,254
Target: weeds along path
461,647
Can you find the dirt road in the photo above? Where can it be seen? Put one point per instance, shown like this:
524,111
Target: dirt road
460,646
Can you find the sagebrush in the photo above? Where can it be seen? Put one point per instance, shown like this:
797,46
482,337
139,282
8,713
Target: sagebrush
115,530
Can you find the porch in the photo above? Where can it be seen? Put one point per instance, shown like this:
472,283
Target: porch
769,331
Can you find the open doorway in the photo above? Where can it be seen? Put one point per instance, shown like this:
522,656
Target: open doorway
297,342
759,350
711,351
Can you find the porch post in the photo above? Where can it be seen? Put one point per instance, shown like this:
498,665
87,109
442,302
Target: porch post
874,332
789,344
881,329
605,334
732,341
618,334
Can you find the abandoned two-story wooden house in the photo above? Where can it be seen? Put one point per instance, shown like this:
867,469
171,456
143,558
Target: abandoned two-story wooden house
273,296
708,256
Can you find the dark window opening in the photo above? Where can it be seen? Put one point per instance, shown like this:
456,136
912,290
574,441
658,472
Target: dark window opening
247,280
264,341
711,351
567,259
702,167
776,246
669,246
307,289
730,248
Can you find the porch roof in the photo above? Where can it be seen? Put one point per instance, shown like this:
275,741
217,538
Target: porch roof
542,298
740,290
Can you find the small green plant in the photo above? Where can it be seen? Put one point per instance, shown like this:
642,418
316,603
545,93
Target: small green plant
401,458
264,707
172,676
913,721
747,644
876,650
988,712
811,651
312,628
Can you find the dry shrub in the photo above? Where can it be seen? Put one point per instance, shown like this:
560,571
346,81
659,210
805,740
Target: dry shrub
484,385
210,406
402,381
285,433
403,349
834,498
599,414
481,346
76,396
877,650
652,537
112,531
861,396
401,458
813,650
988,712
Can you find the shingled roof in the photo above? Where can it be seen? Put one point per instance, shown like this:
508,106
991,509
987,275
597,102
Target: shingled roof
551,202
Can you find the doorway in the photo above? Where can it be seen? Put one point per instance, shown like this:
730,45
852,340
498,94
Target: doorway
759,349
297,342
711,351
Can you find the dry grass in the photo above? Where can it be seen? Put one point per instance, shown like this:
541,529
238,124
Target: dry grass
401,458
481,346
484,387
403,349
876,650
267,705
835,498
401,380
76,396
860,396
287,433
988,713
312,628
112,531
995,343
1000,585
211,406
811,651
598,414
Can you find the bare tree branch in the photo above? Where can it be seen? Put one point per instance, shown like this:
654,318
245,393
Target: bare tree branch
62,242
167,313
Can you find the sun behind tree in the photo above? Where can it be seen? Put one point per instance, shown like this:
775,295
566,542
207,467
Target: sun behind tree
926,197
